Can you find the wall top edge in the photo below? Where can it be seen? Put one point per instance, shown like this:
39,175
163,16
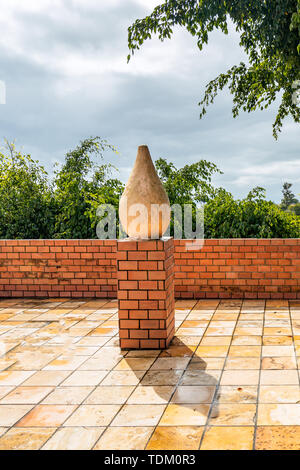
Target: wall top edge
127,239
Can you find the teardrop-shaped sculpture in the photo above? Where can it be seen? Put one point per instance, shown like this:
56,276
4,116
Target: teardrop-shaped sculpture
144,207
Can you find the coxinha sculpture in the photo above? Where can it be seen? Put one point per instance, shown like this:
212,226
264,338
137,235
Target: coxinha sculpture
144,207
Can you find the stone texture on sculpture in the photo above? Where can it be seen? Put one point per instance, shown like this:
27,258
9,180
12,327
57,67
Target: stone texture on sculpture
144,207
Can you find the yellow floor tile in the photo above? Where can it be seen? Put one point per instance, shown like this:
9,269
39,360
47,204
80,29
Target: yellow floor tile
146,395
228,438
185,414
44,378
279,363
92,415
246,340
215,341
277,438
201,377
164,377
170,363
10,414
135,364
26,395
240,377
176,438
14,377
237,394
67,396
5,390
178,351
25,439
211,351
84,377
278,414
74,438
124,438
139,415
244,351
124,377
109,395
46,415
242,363
278,377
206,364
64,378
232,414
279,394
193,394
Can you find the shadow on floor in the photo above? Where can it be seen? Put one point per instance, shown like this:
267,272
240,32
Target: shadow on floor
201,387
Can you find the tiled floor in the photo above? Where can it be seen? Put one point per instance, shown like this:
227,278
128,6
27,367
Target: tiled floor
230,379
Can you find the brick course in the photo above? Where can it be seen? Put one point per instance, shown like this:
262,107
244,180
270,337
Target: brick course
58,268
238,268
146,305
224,268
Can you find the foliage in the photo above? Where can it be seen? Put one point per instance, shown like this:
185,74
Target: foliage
26,197
252,217
269,33
190,184
295,208
288,197
34,206
81,186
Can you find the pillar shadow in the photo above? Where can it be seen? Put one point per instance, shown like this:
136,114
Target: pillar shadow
206,385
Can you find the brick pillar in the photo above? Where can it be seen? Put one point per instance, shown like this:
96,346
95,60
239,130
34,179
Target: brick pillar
146,293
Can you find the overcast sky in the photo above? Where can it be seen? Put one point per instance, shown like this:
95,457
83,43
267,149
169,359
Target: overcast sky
67,78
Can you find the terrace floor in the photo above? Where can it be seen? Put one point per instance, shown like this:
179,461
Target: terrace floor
230,379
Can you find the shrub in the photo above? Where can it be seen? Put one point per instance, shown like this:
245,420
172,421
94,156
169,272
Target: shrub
81,185
252,217
26,198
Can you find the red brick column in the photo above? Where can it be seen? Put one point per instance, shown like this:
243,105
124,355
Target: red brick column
146,293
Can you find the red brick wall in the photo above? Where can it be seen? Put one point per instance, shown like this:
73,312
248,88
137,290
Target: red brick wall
239,268
57,268
254,268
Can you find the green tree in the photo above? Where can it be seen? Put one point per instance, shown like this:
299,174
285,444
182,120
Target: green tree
26,197
288,197
295,208
269,33
252,217
81,185
190,184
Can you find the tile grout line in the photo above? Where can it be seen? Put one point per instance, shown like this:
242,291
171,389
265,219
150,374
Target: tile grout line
94,387
206,426
259,378
179,380
54,387
293,339
175,386
122,404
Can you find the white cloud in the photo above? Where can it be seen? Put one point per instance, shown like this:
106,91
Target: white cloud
64,62
269,173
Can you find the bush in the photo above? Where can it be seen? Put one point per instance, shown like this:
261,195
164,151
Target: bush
81,186
26,198
252,217
295,208
34,206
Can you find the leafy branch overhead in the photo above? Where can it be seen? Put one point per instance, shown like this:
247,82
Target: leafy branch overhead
269,33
